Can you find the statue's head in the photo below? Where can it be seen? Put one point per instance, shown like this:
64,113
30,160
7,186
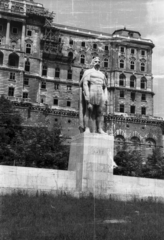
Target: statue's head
96,62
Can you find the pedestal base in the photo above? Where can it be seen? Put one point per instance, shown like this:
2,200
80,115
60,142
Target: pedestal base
91,156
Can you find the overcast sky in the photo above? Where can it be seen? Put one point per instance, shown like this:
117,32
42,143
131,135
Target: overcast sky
145,16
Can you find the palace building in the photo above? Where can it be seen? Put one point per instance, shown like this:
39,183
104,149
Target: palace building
41,64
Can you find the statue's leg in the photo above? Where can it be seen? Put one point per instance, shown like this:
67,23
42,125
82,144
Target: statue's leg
86,119
100,119
93,119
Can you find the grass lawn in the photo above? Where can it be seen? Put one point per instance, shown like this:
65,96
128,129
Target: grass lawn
64,217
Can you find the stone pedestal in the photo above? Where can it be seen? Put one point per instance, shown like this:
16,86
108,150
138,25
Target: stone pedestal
91,156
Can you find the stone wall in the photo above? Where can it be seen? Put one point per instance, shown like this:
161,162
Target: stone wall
53,181
35,179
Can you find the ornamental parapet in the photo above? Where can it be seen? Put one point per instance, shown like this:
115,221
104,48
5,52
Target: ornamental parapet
152,120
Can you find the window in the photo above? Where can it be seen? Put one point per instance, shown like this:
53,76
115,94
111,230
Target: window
132,50
132,96
71,42
44,70
132,81
15,30
70,55
143,97
122,79
69,88
132,65
11,91
27,66
1,58
25,94
95,46
106,48
29,33
60,39
26,81
142,67
57,72
12,76
82,59
28,48
143,83
121,63
56,86
132,109
143,110
105,62
55,101
122,108
1,28
83,44
0,41
69,74
122,50
68,103
13,60
143,53
43,85
122,94
81,74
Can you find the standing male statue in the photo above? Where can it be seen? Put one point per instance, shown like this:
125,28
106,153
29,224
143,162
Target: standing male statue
93,96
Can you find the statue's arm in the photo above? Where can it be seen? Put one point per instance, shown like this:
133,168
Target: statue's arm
86,87
105,89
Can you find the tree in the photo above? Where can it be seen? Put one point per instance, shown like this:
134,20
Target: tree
10,126
154,167
41,147
129,163
29,146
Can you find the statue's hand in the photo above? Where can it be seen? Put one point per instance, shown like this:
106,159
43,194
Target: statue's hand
90,106
86,98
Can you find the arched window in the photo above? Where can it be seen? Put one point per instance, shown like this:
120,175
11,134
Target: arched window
143,83
44,70
132,65
142,67
106,62
13,60
119,143
122,108
57,72
1,58
82,59
121,63
69,74
28,48
122,79
70,55
81,73
119,139
27,66
132,81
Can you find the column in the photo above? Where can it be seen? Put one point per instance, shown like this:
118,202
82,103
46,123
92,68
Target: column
8,32
23,36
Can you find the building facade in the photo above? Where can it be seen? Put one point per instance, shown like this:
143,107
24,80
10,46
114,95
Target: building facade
41,64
